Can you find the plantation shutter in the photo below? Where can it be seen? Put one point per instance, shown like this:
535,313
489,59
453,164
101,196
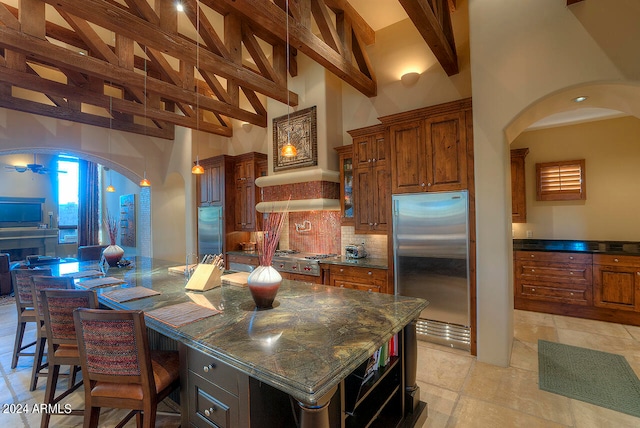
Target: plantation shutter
561,181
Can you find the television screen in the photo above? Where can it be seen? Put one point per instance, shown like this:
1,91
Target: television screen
24,212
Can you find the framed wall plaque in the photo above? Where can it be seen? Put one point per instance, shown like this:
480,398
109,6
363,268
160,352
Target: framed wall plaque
300,128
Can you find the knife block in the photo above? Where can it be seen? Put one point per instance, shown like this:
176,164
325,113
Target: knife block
205,277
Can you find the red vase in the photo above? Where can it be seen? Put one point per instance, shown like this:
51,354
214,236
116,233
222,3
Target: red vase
264,283
113,254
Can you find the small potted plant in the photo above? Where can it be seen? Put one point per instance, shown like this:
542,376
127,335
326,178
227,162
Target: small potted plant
113,253
264,281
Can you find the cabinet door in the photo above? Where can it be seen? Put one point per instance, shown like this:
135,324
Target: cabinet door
362,182
407,161
210,185
616,287
346,184
518,190
446,142
379,199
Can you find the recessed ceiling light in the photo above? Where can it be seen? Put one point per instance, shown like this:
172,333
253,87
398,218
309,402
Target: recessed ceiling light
579,99
179,7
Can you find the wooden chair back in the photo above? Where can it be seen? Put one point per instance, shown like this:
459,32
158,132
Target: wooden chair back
21,279
58,307
47,282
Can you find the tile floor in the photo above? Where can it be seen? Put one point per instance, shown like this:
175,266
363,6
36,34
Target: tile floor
460,391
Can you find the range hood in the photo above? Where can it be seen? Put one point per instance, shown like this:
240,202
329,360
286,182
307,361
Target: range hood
310,190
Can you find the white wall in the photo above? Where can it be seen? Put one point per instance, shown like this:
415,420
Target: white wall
519,54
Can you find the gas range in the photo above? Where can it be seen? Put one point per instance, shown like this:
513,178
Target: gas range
297,262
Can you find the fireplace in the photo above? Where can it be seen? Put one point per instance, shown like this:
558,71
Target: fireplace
21,242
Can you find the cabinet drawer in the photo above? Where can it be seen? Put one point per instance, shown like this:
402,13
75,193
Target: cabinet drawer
545,256
615,260
213,371
342,283
211,406
554,272
363,274
574,296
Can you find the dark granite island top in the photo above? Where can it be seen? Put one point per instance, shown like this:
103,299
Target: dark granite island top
305,346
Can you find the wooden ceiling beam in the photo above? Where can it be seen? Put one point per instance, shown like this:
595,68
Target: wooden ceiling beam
435,30
570,2
111,17
64,58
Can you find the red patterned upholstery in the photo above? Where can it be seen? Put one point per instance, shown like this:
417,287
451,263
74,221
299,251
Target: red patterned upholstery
118,368
21,279
58,307
39,283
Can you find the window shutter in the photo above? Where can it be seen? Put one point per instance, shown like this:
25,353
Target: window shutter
561,181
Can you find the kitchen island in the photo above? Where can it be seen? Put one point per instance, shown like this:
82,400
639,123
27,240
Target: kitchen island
298,364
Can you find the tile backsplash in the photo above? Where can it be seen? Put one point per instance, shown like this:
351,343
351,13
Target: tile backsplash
375,245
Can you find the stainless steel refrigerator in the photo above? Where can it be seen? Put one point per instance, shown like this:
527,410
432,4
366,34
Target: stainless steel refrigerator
210,231
431,253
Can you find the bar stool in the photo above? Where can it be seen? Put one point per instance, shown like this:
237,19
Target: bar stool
118,369
21,279
58,307
39,283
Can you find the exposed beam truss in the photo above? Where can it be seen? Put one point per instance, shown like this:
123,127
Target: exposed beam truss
136,67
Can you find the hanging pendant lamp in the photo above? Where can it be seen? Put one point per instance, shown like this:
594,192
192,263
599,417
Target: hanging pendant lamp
110,187
197,169
288,150
144,182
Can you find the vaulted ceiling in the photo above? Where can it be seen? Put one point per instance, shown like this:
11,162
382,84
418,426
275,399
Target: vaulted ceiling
142,66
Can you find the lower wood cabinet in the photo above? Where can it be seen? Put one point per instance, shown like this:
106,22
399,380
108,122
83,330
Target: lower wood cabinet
301,277
359,278
616,282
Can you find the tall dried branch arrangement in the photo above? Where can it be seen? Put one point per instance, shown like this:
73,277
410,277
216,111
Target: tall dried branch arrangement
111,223
268,243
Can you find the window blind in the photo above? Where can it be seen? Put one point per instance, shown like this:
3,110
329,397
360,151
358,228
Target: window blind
561,180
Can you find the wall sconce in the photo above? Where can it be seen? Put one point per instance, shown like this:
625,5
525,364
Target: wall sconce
410,79
246,126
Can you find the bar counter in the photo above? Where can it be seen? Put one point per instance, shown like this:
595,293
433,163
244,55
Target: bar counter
312,339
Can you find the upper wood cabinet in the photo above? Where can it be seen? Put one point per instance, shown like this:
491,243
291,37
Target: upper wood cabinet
429,148
518,193
248,167
370,180
346,184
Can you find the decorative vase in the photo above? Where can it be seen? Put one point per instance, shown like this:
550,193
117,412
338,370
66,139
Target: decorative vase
112,254
263,284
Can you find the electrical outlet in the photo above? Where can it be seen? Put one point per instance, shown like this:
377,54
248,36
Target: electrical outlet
529,234
50,213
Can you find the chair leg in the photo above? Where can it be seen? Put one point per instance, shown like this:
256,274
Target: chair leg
37,362
73,371
49,395
18,343
149,415
91,417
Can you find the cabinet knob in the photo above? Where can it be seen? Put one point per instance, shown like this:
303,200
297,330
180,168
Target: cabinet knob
341,270
571,294
533,270
422,185
533,289
209,411
369,273
429,184
532,256
341,285
370,290
615,260
369,160
209,367
570,273
570,257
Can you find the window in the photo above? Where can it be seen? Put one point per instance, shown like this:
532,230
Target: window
67,200
561,181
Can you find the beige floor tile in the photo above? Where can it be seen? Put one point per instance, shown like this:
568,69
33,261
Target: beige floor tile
530,333
595,327
443,368
536,318
599,342
589,416
524,355
474,413
441,403
634,331
516,389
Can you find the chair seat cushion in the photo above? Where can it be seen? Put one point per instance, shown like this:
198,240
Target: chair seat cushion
166,369
67,351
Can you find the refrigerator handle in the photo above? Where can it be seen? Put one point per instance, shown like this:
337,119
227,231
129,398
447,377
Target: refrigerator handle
395,207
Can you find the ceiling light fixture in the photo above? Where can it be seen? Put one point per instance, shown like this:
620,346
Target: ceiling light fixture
179,7
580,99
410,79
197,169
144,182
288,150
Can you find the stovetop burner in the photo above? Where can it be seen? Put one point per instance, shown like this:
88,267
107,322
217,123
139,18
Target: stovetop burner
319,256
283,253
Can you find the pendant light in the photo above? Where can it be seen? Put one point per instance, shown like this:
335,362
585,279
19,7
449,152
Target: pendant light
110,187
197,168
144,182
288,150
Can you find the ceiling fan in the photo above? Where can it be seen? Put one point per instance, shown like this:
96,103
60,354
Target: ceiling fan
34,167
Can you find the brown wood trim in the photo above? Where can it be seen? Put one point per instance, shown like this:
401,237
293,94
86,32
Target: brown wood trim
421,113
570,2
579,311
367,130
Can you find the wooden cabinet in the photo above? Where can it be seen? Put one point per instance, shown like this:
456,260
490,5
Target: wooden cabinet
616,282
359,278
346,184
247,168
217,394
429,154
210,185
518,189
553,276
371,199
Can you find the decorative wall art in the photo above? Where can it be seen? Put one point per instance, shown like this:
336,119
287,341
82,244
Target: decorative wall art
128,220
300,127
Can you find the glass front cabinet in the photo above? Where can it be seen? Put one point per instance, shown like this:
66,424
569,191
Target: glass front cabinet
346,184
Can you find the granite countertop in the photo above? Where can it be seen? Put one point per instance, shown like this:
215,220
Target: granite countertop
577,246
365,262
302,352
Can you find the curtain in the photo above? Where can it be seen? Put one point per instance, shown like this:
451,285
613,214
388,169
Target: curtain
88,207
